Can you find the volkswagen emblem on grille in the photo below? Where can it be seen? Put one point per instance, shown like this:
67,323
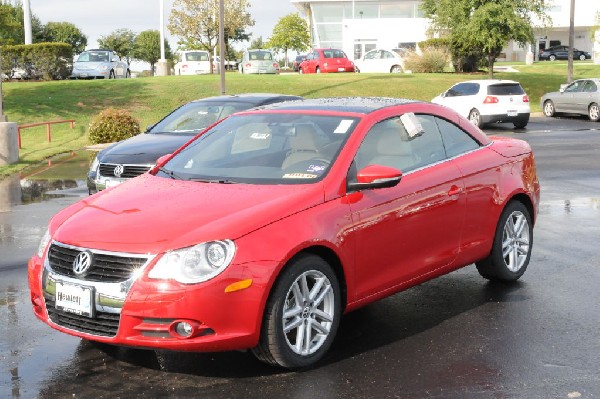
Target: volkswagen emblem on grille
82,262
119,169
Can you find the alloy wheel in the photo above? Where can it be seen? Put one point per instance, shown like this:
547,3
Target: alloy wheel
515,241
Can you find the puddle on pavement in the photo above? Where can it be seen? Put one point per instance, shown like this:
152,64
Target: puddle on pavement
61,176
576,206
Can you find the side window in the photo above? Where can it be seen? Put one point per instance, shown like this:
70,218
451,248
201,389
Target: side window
456,140
575,87
590,87
388,144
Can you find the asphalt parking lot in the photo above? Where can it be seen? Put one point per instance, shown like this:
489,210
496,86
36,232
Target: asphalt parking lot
458,336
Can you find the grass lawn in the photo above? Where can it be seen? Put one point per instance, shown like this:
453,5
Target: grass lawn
149,99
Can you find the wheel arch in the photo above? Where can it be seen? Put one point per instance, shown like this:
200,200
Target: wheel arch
329,256
526,201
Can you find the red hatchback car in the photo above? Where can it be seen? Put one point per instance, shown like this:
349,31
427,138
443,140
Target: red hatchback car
260,233
326,60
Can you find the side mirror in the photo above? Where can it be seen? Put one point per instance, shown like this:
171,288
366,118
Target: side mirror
562,90
375,176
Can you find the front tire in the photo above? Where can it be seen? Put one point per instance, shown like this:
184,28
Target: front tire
552,57
549,109
396,69
318,70
475,117
511,249
594,112
302,314
582,57
111,75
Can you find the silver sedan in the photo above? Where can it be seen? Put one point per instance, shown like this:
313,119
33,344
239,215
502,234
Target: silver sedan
580,97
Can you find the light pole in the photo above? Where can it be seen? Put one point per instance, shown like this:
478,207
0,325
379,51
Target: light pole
222,44
162,68
2,116
571,43
27,21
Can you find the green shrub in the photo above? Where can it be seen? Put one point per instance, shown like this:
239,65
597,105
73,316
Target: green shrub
113,125
39,61
431,60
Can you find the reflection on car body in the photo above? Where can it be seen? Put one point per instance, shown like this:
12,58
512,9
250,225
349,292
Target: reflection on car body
261,232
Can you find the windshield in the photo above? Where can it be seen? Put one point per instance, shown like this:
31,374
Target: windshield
196,56
263,149
94,56
197,116
260,55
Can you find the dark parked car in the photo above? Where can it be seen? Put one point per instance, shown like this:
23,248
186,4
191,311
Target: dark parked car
298,61
136,155
580,97
562,53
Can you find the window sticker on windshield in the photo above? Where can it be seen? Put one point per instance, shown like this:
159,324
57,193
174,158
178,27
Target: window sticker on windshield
260,136
412,125
299,176
189,164
343,126
316,168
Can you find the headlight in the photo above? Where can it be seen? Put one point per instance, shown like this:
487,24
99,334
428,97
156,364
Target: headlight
43,244
194,264
95,164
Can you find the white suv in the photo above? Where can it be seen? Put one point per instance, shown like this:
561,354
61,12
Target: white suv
488,101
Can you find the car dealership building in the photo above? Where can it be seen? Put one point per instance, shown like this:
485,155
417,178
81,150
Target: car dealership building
359,26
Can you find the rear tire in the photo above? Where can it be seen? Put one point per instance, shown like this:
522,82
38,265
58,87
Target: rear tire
302,314
552,57
111,75
317,70
549,109
582,57
396,69
594,112
475,117
511,249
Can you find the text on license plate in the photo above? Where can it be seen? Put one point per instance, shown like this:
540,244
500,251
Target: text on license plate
512,113
73,298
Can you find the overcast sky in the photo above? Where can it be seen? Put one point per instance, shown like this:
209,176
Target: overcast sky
99,18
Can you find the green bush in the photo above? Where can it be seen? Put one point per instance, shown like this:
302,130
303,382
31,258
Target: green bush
431,60
39,61
113,125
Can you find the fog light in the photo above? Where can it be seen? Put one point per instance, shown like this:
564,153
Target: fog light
184,329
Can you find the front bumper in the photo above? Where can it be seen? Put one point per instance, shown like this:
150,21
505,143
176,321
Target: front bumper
143,312
89,74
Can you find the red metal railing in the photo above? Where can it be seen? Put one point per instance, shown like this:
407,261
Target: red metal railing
48,134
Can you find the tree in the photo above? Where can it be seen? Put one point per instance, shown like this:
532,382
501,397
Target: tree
196,22
484,26
147,47
121,41
11,24
65,32
290,33
257,43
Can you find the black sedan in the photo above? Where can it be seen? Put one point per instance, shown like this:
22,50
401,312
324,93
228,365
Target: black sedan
136,155
562,53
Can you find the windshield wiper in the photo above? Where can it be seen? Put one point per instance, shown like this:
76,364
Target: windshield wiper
171,174
219,181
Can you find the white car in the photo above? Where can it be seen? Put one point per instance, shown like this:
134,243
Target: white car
380,60
488,101
193,62
258,61
99,64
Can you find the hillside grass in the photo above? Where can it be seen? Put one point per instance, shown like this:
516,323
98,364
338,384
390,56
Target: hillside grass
150,99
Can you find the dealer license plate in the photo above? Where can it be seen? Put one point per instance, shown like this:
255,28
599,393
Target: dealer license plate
75,299
512,113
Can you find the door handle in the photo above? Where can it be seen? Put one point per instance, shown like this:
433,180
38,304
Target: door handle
455,190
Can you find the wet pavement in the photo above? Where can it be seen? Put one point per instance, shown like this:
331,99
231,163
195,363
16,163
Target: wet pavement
454,337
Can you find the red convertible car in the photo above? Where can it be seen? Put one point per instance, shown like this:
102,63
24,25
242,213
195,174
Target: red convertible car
262,232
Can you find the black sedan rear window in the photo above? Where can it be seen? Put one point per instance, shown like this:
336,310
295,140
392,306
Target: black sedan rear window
505,89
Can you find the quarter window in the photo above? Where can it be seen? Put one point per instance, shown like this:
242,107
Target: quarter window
456,140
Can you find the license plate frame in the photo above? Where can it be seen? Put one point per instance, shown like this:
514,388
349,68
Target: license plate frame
74,298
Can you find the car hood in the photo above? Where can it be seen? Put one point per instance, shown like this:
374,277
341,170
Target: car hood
143,148
88,65
150,214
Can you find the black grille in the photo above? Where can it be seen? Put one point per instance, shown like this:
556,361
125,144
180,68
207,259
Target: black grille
129,171
103,324
105,268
